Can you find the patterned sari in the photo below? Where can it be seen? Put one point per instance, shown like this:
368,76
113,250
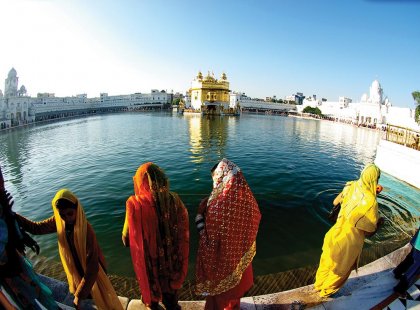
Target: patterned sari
227,242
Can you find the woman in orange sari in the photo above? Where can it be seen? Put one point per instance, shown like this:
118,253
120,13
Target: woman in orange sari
228,224
156,229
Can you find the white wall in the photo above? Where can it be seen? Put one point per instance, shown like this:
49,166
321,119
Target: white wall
399,161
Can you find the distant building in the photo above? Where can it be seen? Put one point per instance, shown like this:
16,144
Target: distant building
209,95
238,99
344,101
17,108
178,95
271,99
372,110
296,98
311,101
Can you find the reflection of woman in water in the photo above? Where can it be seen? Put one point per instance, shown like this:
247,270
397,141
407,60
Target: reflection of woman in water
228,223
343,243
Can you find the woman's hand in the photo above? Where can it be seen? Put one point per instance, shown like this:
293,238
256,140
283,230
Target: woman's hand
380,222
202,206
6,200
76,302
126,241
199,222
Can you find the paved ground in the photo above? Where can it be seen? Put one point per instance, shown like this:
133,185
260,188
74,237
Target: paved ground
364,289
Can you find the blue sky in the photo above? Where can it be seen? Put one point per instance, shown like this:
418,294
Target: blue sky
327,48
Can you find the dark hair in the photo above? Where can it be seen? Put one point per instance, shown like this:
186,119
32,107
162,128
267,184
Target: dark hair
62,204
214,168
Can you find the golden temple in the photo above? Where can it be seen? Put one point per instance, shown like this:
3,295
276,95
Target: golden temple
209,95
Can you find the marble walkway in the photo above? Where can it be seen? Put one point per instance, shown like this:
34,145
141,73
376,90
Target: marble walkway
364,289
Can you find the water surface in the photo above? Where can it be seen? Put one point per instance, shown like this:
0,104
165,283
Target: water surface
295,167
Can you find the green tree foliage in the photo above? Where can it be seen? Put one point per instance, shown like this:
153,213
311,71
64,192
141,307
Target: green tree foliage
311,110
416,97
176,101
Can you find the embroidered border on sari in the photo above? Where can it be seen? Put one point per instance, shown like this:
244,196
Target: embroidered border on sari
209,287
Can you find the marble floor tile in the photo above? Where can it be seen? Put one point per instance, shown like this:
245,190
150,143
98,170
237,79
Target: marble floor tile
396,305
192,305
397,256
366,296
124,301
136,304
414,292
247,303
413,305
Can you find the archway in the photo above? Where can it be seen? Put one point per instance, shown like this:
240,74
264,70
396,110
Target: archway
18,117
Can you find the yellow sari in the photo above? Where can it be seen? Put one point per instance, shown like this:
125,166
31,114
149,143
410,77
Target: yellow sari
102,291
343,243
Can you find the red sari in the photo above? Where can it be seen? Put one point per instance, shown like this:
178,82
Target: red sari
159,234
227,242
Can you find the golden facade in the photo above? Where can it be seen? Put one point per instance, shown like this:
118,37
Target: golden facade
208,94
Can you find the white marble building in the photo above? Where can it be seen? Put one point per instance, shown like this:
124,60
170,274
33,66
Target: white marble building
17,108
373,110
245,102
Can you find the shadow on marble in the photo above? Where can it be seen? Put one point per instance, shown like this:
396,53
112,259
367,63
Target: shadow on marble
371,293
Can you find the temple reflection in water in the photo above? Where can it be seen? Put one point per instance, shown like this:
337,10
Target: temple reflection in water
208,137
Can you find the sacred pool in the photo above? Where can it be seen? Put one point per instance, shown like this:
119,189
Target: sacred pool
295,167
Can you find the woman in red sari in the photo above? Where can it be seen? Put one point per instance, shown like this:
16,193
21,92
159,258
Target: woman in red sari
228,224
156,229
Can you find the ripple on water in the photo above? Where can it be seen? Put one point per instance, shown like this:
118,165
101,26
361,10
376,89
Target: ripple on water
295,167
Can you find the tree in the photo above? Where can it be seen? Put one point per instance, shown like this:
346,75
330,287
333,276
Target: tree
176,101
416,97
311,110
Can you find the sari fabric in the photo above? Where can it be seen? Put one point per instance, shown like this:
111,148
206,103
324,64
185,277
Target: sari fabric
20,286
102,291
158,230
343,243
227,244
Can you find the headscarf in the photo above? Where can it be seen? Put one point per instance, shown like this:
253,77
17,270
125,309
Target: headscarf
359,205
102,291
159,259
227,244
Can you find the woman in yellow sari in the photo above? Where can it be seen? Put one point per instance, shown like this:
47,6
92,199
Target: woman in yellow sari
80,253
343,243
